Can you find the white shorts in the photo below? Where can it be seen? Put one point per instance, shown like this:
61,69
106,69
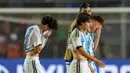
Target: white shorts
32,65
67,68
79,66
68,62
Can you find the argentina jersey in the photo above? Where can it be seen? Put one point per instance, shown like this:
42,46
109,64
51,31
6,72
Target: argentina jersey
45,39
90,49
32,38
84,37
90,44
74,39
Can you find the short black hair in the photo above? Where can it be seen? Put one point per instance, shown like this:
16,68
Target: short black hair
83,17
50,21
84,5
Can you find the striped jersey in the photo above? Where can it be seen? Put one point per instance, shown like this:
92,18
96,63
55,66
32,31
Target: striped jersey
90,44
90,49
32,38
45,39
77,38
86,40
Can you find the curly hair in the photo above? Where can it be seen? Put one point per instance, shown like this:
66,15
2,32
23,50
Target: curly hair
50,21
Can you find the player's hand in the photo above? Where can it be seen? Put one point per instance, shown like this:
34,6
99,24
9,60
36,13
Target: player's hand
98,31
48,34
89,60
91,69
100,63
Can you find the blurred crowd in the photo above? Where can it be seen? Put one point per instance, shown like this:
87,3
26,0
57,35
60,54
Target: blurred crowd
11,39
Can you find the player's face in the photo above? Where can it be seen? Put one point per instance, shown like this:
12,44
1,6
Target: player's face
87,10
45,27
95,26
87,25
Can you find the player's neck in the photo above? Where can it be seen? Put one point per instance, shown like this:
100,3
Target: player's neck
81,28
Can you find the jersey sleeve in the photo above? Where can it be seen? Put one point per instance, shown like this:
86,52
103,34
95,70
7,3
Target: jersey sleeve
74,41
69,44
37,37
45,39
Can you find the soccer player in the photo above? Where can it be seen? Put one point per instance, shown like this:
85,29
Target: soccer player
68,55
83,8
97,24
34,41
77,43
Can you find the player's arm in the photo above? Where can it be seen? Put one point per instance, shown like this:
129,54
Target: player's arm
97,38
37,45
45,36
98,31
38,41
78,46
38,48
88,56
43,40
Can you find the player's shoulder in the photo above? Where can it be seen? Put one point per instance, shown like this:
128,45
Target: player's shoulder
31,26
74,33
35,27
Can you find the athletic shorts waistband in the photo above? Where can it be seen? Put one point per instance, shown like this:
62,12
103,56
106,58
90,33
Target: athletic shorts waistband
32,57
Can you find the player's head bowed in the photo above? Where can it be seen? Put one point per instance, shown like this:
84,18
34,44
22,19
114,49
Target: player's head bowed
83,17
50,21
99,19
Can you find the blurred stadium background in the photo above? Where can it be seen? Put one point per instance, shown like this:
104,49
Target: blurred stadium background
17,15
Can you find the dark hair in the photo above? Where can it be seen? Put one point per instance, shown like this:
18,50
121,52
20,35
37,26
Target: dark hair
83,17
85,5
50,21
99,19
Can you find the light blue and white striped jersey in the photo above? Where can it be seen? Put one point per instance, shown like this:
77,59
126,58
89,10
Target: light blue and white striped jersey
32,38
90,49
86,40
90,44
45,39
77,38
